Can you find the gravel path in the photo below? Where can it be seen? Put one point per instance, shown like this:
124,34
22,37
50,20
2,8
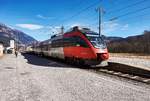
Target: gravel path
30,78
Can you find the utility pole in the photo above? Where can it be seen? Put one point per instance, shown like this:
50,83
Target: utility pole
51,32
100,11
62,30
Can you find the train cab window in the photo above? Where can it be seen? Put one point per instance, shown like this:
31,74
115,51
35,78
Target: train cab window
97,42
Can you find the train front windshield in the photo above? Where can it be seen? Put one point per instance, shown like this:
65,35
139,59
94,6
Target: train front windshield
96,41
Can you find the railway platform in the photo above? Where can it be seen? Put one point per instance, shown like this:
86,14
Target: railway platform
33,78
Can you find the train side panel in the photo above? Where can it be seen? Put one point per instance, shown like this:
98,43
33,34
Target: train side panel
79,52
57,52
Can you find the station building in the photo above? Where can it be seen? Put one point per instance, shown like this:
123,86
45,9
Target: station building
1,49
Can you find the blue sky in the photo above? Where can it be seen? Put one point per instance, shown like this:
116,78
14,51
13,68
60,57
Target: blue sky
40,18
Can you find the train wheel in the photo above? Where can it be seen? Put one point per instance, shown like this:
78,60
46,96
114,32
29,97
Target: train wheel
81,62
67,60
76,61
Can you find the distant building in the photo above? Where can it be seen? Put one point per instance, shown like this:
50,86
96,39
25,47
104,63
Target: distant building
12,44
1,49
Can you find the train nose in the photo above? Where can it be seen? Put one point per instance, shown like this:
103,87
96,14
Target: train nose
102,56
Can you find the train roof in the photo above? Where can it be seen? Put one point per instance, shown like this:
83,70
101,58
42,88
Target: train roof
86,31
45,42
82,29
48,41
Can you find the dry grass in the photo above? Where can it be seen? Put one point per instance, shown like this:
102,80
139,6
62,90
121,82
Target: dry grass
130,55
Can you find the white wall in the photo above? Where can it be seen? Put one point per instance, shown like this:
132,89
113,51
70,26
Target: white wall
1,49
12,44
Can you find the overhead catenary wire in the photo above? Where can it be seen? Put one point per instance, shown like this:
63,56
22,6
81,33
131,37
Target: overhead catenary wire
79,4
120,16
140,17
128,6
83,10
129,13
131,17
113,1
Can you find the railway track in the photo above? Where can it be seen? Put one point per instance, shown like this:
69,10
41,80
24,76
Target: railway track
120,70
124,71
116,69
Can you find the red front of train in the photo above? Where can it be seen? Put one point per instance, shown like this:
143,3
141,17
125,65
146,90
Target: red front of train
86,47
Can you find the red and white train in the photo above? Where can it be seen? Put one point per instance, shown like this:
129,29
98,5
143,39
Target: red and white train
81,46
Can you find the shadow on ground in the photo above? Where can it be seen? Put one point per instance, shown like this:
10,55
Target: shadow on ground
43,61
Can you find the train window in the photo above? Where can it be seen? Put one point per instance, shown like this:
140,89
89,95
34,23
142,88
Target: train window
69,41
81,42
74,41
57,43
49,46
44,47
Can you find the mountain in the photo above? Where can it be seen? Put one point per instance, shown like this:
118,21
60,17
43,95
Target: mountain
131,44
111,38
7,33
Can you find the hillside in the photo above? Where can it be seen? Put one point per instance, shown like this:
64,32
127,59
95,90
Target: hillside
7,33
132,44
109,39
